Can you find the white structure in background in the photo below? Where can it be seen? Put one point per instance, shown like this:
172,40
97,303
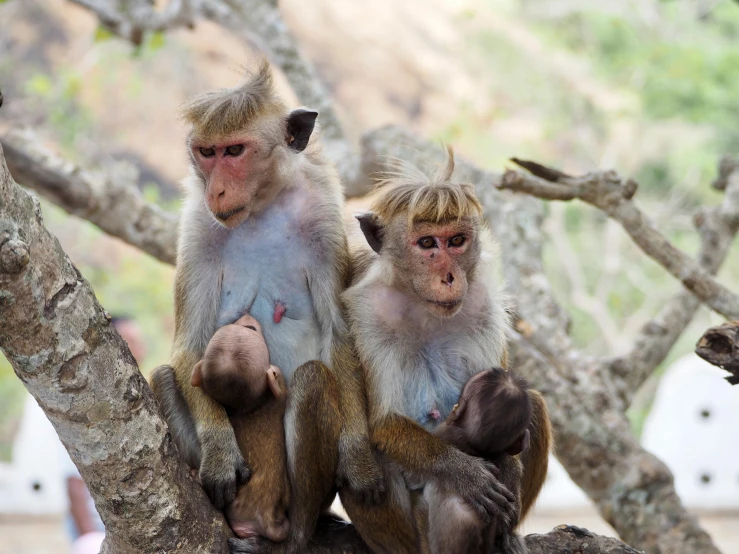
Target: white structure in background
560,492
694,428
32,483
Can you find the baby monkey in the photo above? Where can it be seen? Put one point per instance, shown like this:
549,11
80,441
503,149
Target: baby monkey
490,421
236,372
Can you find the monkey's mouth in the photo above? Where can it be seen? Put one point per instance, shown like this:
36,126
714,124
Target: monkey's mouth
225,216
448,305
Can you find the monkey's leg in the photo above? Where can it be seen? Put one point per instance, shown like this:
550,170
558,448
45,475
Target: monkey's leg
312,427
176,414
454,527
536,458
387,527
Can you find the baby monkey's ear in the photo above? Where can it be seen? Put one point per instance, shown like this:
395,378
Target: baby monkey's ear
276,382
197,375
455,413
457,410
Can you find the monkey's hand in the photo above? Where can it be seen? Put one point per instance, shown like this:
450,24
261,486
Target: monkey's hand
474,479
359,470
222,468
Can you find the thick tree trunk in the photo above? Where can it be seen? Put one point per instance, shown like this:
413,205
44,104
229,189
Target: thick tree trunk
70,358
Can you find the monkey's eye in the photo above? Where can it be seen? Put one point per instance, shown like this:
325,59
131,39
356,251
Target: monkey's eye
234,150
251,327
457,240
207,152
426,242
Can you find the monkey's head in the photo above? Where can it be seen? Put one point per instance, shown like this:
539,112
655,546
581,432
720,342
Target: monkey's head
427,228
494,412
235,369
241,139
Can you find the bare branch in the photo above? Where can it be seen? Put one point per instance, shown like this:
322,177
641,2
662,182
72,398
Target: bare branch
611,194
632,489
109,199
717,227
62,346
131,19
720,347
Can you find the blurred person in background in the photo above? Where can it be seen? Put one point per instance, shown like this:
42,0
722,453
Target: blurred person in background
83,522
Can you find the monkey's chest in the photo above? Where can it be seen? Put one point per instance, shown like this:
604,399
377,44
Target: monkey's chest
265,275
434,383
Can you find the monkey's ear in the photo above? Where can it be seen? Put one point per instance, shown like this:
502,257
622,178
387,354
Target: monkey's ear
300,125
372,229
197,375
274,381
521,444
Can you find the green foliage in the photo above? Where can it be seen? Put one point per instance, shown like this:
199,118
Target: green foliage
682,67
59,98
102,34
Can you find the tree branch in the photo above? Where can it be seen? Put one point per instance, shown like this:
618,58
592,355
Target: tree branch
108,199
720,347
568,538
131,19
611,194
717,228
62,346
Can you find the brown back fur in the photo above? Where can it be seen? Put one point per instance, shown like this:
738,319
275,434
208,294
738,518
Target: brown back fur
265,498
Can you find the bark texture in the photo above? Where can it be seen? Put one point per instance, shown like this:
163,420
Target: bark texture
61,344
568,539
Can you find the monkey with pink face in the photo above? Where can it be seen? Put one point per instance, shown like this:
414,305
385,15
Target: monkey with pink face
262,232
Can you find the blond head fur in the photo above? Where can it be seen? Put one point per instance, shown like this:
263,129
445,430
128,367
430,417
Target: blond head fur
432,198
222,112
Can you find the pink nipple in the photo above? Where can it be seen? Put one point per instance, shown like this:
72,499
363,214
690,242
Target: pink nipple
280,310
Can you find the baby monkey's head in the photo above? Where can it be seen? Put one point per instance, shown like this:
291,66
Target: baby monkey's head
494,412
235,369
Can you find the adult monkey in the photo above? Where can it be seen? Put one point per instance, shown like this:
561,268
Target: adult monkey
426,315
262,232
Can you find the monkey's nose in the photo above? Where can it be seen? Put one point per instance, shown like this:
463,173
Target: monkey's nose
448,280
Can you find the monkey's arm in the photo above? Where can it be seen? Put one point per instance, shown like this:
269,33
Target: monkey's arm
427,457
357,468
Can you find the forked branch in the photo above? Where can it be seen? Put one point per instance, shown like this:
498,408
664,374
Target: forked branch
609,192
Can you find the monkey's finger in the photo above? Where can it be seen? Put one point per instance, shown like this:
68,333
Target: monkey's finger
485,509
501,503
